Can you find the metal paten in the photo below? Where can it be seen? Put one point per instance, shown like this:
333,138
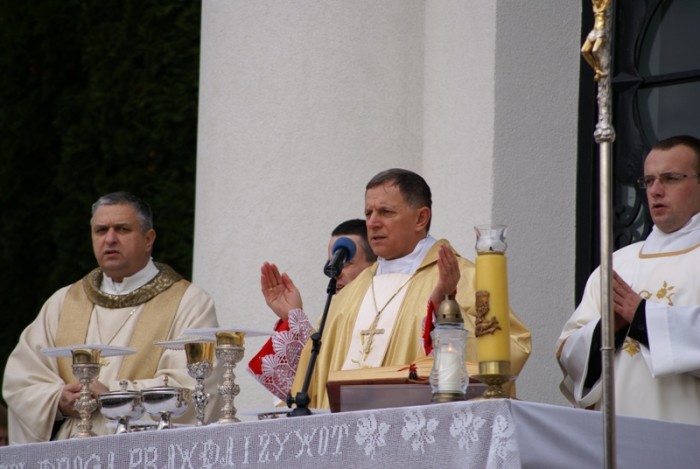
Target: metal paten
596,51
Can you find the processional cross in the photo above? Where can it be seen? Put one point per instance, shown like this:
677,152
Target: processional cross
596,51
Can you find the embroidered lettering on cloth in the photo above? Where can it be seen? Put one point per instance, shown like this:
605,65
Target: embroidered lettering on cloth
451,435
274,366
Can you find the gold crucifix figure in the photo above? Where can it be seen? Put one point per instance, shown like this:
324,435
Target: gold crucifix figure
595,40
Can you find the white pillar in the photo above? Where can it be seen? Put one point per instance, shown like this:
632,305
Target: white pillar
302,102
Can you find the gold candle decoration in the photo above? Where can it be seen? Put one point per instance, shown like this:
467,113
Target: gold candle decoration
230,338
493,313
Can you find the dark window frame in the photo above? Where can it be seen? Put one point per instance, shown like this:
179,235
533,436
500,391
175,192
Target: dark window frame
631,223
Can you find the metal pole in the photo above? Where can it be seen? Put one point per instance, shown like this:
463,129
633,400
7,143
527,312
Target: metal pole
596,51
608,348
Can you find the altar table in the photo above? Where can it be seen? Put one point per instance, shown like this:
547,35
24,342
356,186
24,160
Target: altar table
497,433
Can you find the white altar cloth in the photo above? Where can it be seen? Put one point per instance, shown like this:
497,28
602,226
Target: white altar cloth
474,434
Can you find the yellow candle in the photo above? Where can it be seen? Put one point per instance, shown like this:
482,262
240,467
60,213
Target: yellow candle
492,276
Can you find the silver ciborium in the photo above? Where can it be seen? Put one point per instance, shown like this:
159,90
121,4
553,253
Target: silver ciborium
229,351
122,406
165,402
86,367
200,363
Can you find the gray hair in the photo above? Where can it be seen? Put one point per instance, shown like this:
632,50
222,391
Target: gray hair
143,210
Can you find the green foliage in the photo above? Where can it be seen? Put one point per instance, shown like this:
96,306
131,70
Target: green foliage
95,96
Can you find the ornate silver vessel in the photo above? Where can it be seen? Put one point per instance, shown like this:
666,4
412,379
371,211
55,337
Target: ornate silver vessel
123,406
165,402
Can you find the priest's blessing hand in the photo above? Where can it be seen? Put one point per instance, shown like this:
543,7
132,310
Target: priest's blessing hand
449,275
279,291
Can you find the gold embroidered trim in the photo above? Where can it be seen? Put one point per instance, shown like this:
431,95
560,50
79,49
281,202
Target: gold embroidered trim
161,282
666,254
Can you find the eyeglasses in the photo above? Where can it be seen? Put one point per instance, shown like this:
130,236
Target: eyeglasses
666,179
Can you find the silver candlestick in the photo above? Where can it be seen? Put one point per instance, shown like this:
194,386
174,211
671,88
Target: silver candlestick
200,362
229,350
86,367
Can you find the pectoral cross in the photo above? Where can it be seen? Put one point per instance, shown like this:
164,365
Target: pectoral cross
367,337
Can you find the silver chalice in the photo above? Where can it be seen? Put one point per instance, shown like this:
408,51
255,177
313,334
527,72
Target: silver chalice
200,363
229,351
86,367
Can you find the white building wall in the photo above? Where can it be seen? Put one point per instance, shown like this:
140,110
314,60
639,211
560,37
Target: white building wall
302,102
534,174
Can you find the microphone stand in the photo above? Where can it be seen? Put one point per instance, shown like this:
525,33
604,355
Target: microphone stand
302,398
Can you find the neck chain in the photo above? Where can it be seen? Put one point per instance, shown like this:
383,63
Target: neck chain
99,331
374,298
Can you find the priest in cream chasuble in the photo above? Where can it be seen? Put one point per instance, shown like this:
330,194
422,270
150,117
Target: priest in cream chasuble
128,301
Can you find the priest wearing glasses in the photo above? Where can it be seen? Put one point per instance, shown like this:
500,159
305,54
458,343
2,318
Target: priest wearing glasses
656,303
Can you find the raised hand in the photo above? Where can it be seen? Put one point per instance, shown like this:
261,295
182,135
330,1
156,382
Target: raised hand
448,269
279,291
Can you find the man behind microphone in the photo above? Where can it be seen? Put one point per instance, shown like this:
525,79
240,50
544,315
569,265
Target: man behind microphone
273,366
383,316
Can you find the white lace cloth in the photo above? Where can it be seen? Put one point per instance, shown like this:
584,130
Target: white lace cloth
474,434
446,435
279,368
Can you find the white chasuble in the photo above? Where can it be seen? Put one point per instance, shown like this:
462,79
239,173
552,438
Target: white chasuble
375,321
658,382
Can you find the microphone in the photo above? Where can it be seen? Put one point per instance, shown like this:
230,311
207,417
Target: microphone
343,251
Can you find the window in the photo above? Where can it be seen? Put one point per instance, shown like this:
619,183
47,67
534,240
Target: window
656,94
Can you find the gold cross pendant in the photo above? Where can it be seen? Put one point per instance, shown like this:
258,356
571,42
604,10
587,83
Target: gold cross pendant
367,337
